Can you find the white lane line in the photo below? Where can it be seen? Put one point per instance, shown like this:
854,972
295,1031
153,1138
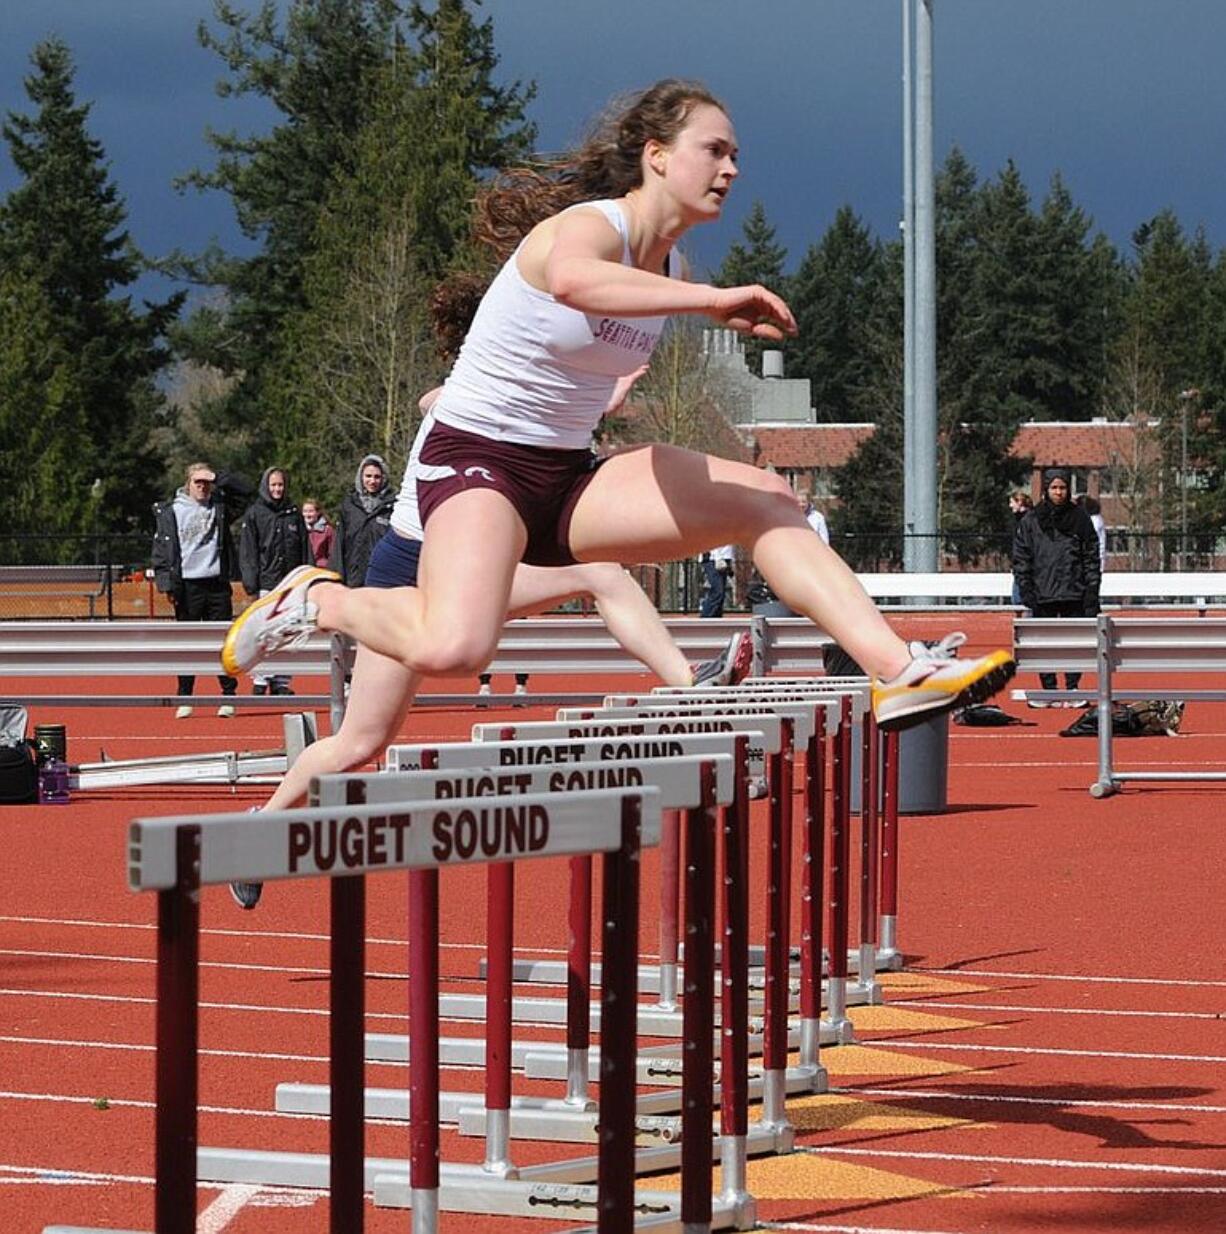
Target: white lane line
93,957
124,1045
132,1103
1149,1015
992,1189
233,1199
1059,1163
137,959
372,1017
944,1094
295,936
55,1174
823,1228
895,1044
1192,983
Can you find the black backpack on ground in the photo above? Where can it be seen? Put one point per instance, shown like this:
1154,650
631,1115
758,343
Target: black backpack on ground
1151,717
18,769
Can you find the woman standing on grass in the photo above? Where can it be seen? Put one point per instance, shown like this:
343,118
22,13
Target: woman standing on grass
503,463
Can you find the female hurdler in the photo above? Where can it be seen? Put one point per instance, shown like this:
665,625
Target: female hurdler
382,689
503,463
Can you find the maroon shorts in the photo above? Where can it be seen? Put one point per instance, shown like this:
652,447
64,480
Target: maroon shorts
542,484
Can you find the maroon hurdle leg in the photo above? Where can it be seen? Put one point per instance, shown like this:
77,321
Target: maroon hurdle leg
346,1028
579,982
670,894
889,956
870,789
778,952
811,895
734,997
346,1047
698,1062
178,1039
840,826
500,936
619,1027
423,1049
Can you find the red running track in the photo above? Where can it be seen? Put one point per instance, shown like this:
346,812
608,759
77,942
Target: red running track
1052,1058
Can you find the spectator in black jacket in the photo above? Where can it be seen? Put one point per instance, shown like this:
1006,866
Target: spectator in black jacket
273,541
193,557
1056,562
365,514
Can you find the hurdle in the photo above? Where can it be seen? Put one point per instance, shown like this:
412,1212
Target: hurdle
777,734
488,767
881,836
536,1190
177,856
878,815
224,767
680,784
808,718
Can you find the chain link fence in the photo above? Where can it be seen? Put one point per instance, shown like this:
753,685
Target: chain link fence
104,576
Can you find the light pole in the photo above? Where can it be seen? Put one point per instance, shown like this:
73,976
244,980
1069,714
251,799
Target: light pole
1185,397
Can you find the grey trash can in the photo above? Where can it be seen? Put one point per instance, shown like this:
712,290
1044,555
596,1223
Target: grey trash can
923,766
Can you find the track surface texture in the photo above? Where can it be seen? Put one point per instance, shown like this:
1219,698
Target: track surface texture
1051,1058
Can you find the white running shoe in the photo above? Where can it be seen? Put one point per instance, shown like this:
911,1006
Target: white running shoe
731,666
936,681
182,713
226,711
282,619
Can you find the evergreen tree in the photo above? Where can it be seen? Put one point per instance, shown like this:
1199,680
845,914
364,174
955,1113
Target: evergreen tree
1211,420
992,365
758,260
867,523
1167,307
78,350
831,295
384,111
1081,288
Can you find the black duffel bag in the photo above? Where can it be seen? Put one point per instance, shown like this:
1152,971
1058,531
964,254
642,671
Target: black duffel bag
18,768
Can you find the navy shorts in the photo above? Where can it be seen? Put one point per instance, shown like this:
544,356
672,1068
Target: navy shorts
393,562
543,485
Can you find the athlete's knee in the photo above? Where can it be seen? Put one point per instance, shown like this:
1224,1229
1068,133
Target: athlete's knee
453,653
607,580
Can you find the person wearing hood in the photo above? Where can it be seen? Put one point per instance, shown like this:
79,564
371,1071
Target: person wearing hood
193,557
1056,561
273,541
364,516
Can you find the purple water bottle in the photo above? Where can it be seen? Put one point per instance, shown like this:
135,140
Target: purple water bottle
53,783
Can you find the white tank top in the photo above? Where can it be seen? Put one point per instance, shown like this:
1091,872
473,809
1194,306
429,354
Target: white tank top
406,517
535,372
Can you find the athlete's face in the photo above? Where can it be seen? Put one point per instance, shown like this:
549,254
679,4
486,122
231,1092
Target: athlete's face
700,166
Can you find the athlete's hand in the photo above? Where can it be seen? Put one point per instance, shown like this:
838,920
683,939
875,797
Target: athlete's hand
753,310
621,391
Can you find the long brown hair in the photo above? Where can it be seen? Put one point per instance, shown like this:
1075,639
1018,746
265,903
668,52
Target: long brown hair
608,163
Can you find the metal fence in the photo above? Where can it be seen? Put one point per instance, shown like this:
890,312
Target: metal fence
104,576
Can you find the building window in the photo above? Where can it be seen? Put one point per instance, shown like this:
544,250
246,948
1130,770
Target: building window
822,481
